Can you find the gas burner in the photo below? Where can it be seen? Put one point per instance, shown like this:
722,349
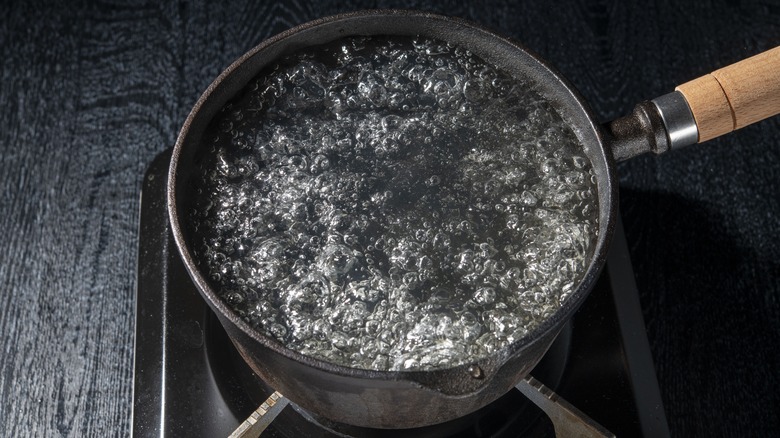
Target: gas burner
190,380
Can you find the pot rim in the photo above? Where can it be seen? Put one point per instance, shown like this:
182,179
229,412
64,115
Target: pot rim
606,195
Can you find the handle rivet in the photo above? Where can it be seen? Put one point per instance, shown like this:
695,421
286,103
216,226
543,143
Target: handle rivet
476,372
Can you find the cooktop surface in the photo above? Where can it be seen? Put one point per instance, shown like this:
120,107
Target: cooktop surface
190,381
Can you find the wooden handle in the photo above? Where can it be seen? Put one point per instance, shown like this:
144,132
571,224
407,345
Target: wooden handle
735,96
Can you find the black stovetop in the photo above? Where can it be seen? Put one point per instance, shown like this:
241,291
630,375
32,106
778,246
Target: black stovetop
190,381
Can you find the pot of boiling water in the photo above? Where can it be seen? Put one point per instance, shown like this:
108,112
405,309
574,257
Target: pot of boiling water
394,213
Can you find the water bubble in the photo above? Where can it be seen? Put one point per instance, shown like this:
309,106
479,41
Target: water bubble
391,122
527,198
433,181
485,295
335,261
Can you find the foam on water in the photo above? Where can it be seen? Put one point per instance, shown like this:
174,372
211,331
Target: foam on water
393,204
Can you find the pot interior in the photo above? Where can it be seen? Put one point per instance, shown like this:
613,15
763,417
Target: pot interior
495,50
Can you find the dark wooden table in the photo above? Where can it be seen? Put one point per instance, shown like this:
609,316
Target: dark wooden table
91,92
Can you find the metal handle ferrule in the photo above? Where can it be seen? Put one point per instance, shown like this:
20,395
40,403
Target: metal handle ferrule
678,119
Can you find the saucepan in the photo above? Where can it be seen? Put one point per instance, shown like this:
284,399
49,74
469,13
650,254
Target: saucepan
702,109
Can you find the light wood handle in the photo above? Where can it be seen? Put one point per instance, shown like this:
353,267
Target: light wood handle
735,96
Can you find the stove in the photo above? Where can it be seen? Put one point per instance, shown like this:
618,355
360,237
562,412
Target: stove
190,381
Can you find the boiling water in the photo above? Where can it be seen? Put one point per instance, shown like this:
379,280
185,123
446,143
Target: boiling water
393,204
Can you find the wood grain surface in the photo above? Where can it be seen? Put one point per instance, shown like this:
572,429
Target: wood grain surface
735,96
710,106
92,91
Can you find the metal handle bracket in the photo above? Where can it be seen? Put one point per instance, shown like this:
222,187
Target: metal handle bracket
567,420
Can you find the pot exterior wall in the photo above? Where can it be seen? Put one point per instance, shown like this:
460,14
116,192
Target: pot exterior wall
395,403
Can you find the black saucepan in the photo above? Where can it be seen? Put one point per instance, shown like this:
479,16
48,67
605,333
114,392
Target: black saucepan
404,399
